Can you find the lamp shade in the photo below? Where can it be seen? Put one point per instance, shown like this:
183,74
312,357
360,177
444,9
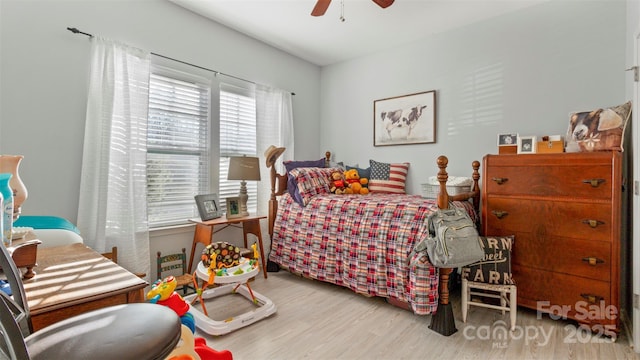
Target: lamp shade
244,168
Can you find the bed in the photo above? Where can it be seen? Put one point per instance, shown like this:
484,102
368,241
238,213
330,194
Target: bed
363,242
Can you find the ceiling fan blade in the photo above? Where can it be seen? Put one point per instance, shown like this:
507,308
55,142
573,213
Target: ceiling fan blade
321,7
383,3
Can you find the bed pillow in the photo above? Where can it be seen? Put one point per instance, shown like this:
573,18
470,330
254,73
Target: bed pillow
598,130
388,178
363,173
495,267
292,186
311,182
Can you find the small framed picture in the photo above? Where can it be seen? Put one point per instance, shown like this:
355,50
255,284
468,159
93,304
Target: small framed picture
208,206
527,145
233,207
507,139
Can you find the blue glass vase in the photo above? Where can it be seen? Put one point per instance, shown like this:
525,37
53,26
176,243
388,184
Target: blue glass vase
7,208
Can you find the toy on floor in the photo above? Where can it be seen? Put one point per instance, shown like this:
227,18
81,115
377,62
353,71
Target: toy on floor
195,348
163,293
222,265
222,259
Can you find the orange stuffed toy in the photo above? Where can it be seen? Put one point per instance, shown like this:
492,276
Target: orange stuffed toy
357,184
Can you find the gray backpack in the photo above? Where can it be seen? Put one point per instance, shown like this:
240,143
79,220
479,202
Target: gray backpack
453,239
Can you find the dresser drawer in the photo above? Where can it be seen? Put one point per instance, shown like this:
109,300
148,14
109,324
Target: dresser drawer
544,290
578,220
577,175
588,259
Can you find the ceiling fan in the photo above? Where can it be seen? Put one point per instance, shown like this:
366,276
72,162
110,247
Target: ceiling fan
322,6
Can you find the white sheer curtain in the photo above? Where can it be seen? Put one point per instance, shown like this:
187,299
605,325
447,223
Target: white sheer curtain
112,206
274,127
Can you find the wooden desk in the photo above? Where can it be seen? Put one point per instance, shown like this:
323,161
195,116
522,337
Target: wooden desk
205,230
73,279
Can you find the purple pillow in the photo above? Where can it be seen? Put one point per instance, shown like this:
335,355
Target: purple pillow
292,185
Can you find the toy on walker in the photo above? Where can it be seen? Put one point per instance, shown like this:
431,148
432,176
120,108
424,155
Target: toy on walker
190,348
222,264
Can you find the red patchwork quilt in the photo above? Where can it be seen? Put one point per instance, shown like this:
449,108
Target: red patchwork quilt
360,242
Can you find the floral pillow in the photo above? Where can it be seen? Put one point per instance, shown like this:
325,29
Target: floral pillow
311,182
495,267
388,178
598,130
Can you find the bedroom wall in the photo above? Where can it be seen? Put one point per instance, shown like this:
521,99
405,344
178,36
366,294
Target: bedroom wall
44,70
633,284
44,79
522,72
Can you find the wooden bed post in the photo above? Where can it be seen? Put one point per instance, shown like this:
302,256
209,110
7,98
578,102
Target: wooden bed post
443,321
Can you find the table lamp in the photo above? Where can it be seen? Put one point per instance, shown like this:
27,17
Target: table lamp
244,168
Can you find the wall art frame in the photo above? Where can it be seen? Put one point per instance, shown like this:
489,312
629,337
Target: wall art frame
404,120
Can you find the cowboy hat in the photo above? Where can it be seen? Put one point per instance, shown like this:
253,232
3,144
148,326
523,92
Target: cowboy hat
272,154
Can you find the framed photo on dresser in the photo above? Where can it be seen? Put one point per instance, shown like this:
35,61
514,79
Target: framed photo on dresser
527,144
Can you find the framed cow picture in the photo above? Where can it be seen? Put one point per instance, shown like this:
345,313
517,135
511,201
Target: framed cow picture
405,119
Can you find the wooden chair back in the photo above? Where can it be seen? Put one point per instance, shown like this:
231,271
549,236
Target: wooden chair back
176,265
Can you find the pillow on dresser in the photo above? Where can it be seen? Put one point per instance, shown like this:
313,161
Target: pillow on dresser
388,178
495,267
598,130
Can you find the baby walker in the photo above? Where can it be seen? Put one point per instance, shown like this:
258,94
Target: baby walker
222,265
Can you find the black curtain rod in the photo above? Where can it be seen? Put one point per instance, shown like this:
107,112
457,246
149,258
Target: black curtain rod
76,31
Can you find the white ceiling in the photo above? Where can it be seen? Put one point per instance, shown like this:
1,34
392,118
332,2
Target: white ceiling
288,25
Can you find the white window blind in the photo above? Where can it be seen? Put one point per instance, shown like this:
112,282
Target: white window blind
177,146
237,138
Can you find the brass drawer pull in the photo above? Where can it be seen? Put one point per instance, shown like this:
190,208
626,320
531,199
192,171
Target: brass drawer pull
593,223
499,213
500,181
594,182
592,260
592,298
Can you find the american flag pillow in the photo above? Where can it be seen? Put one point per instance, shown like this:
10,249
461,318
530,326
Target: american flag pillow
388,178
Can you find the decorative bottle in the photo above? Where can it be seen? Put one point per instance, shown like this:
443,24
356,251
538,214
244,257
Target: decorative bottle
7,209
11,164
1,222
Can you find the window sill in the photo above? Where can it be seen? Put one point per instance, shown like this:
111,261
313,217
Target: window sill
171,230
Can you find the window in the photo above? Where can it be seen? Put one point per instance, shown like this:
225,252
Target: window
178,154
237,138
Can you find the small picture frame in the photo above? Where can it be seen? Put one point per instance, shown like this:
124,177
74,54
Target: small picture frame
233,207
208,206
507,139
527,145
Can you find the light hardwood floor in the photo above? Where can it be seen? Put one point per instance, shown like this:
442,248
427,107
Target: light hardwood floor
315,320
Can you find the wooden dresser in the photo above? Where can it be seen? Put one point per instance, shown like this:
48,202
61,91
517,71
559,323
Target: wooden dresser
565,212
